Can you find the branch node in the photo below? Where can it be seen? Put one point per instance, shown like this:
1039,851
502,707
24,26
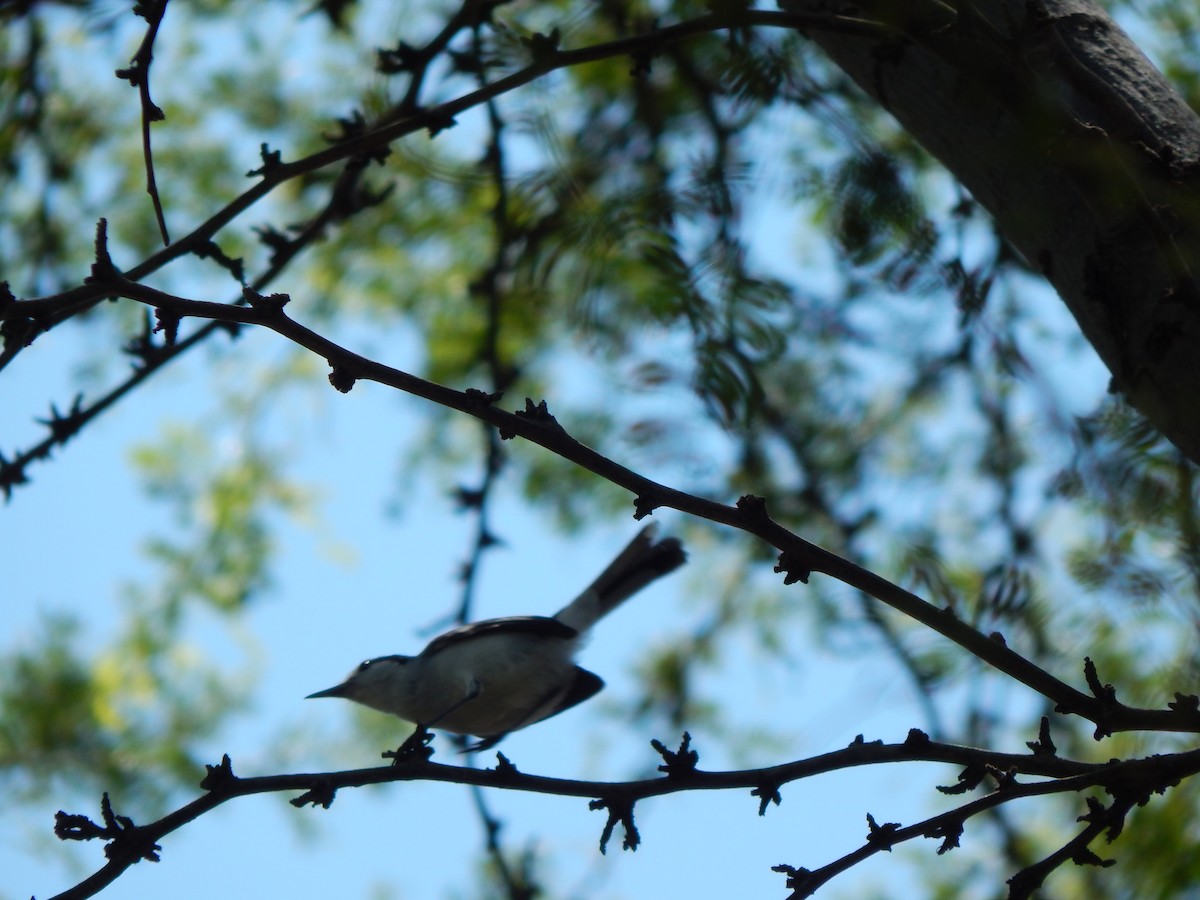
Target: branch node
19,331
1105,693
1185,703
644,506
341,379
480,399
543,48
126,842
404,58
860,741
235,266
103,268
1085,857
1097,813
271,161
12,474
1006,779
766,794
793,567
538,414
64,426
881,835
1044,745
801,882
949,832
274,240
75,827
132,74
504,765
320,794
619,810
754,508
142,348
468,497
219,777
168,324
680,763
438,120
271,304
968,779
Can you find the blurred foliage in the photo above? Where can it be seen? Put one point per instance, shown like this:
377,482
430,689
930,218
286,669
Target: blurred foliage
126,719
719,262
221,515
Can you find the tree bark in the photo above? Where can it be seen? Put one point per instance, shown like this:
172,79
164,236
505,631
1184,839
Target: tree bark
1080,149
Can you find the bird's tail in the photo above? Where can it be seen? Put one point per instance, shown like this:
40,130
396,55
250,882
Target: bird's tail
640,563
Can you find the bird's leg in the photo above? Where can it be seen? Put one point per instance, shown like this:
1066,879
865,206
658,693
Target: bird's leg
417,743
415,747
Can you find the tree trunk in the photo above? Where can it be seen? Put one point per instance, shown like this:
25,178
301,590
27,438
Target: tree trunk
1083,153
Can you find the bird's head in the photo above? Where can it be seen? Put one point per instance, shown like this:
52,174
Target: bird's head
378,683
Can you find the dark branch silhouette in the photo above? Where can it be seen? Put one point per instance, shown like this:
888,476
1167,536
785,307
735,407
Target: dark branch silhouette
798,558
1131,781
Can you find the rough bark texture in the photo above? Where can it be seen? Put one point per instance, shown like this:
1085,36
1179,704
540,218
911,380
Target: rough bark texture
1084,154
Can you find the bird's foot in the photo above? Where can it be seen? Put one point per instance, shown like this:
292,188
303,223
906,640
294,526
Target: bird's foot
415,748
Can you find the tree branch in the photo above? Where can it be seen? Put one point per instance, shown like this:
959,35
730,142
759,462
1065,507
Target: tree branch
138,75
47,312
798,558
126,845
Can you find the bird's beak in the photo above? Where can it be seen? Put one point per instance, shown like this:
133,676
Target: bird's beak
338,691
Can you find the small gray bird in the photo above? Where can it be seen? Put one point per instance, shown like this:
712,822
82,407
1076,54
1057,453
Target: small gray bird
492,677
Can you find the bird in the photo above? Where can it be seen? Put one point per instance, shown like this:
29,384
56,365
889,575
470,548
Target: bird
492,677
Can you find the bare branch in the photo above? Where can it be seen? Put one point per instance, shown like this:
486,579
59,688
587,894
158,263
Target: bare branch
798,557
138,75
124,837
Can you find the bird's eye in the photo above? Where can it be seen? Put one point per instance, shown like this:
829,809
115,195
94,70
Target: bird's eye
365,664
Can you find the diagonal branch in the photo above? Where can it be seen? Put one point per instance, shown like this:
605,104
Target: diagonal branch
138,75
128,842
401,121
21,321
151,357
1130,782
798,558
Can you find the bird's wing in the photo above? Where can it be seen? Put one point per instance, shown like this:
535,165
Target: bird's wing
539,626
